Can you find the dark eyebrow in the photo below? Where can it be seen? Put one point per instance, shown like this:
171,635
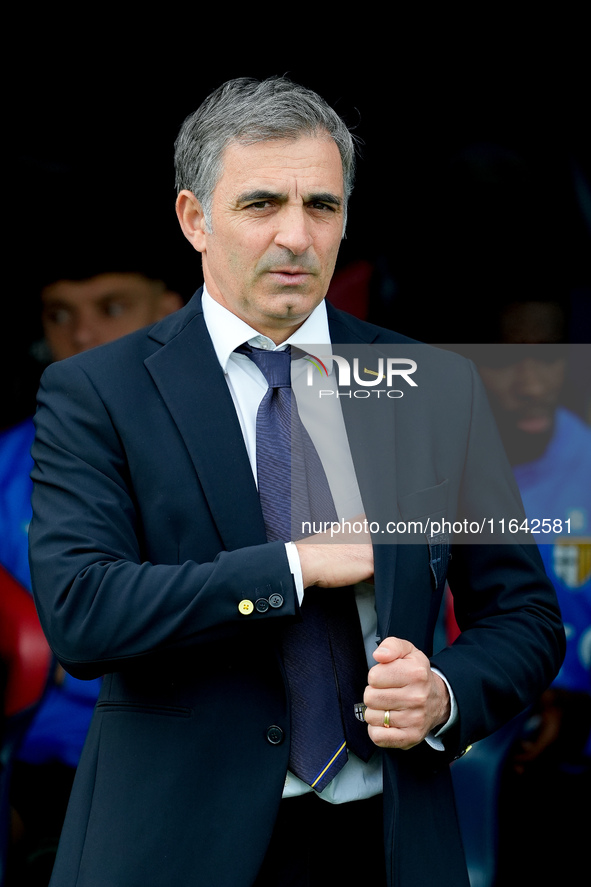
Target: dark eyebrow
113,294
53,302
250,196
260,194
325,197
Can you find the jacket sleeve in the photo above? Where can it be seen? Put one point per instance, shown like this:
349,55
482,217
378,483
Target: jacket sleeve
100,602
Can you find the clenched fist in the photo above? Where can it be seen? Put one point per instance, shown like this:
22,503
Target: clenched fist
404,691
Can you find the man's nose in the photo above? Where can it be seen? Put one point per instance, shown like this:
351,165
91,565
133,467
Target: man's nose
84,333
530,379
294,231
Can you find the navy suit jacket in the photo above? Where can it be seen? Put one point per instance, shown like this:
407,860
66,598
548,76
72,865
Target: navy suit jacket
147,534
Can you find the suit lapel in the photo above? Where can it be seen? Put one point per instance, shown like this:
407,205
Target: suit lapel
369,423
191,382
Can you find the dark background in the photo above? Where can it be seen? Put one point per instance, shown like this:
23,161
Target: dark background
473,177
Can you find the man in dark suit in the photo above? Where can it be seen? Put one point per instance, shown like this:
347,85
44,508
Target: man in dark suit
156,563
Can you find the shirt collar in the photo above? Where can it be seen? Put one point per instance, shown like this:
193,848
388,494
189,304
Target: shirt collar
228,331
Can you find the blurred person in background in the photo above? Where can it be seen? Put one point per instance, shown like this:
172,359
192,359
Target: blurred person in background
85,302
543,823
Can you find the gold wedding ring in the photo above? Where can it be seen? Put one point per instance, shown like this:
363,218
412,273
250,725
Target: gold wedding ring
386,722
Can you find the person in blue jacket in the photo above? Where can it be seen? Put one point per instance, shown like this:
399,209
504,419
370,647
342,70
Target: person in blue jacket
549,446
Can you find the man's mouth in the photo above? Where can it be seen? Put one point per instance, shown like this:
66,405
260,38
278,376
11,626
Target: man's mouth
290,276
535,424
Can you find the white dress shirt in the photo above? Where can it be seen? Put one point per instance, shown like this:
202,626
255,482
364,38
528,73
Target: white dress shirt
357,780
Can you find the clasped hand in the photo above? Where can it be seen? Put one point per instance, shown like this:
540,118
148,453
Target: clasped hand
403,684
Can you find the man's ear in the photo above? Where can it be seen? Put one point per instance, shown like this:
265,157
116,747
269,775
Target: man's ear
191,219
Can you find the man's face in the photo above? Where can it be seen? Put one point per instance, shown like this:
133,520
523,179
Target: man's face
527,391
79,314
277,223
524,387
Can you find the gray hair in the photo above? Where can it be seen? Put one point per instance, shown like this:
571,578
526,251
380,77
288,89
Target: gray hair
247,111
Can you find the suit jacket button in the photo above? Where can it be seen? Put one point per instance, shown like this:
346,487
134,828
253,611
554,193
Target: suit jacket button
275,735
246,607
276,600
261,605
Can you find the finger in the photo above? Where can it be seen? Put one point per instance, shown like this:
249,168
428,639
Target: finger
395,700
376,717
393,648
395,737
402,717
399,673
